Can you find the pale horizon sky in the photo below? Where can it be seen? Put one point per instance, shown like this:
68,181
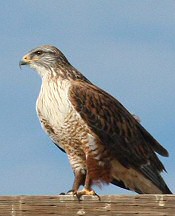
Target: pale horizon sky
125,47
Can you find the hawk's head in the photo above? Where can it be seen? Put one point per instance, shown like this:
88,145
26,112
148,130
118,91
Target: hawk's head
44,59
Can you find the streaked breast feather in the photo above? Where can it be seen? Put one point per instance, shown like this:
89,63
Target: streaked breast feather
53,104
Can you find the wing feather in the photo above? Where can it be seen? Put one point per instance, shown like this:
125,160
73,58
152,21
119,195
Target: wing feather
122,134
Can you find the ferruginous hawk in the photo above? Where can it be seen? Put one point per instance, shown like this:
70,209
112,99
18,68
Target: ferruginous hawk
103,141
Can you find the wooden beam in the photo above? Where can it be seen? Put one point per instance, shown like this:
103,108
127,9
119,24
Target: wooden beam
65,205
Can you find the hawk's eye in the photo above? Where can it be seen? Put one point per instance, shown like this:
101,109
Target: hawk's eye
39,52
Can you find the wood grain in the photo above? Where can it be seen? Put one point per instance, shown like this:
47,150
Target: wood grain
70,206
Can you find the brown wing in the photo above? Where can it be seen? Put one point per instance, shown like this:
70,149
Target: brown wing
122,134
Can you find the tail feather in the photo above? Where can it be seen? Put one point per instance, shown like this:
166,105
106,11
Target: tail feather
122,185
146,181
154,176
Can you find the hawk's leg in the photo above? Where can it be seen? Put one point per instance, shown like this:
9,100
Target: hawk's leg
80,176
79,180
87,189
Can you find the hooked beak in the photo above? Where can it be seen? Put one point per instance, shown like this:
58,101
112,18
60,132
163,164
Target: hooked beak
21,63
24,61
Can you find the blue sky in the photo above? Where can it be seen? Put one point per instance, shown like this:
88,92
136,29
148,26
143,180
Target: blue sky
125,47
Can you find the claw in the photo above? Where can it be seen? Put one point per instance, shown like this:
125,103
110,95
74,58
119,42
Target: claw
79,194
70,192
62,193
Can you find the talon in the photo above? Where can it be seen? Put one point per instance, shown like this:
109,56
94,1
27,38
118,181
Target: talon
95,194
70,192
62,193
79,194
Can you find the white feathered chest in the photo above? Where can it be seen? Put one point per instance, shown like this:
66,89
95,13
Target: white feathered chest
53,105
59,118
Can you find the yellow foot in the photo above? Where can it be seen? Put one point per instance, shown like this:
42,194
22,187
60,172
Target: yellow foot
79,194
